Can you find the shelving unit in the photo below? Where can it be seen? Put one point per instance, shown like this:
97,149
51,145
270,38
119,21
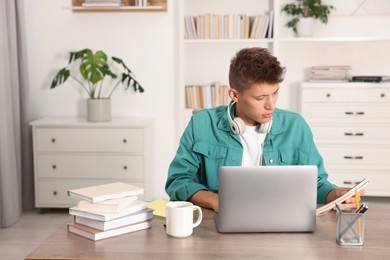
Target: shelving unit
205,61
155,6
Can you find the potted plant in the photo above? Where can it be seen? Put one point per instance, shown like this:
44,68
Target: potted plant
305,12
89,70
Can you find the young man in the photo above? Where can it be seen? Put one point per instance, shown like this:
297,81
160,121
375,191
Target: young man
250,131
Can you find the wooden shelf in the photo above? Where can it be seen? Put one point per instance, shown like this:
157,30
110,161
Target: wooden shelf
334,39
154,6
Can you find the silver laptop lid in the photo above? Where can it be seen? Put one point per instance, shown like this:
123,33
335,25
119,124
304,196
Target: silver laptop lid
267,199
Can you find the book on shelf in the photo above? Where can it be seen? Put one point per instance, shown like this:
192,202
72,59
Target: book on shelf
104,216
324,209
106,3
328,80
206,96
332,73
370,79
139,216
271,24
109,206
106,191
228,26
95,235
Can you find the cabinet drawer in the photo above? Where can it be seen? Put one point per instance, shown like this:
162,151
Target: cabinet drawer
346,95
378,181
54,193
346,113
355,156
89,140
90,166
352,135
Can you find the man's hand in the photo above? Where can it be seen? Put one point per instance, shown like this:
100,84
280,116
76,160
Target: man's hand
338,192
205,199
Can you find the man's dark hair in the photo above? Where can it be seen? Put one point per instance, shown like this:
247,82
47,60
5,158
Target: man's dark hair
254,65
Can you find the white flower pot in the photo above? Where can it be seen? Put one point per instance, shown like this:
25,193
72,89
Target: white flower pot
99,110
305,26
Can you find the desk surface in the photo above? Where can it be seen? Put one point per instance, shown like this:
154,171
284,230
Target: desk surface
206,242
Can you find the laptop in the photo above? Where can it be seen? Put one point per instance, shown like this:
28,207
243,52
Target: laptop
267,199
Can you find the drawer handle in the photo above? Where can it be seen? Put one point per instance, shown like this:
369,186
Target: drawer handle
125,167
328,95
383,95
53,140
55,193
54,166
124,140
354,113
353,157
350,182
354,134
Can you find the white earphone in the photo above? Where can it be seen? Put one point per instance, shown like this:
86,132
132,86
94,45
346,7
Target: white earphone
238,127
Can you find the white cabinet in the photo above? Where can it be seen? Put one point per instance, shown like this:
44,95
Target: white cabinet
351,127
71,153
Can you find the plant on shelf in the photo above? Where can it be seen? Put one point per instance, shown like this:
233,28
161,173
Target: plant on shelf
306,9
93,69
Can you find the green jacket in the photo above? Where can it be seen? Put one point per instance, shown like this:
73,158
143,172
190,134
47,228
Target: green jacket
208,143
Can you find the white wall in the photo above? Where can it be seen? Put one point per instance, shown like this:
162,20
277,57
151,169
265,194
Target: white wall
144,40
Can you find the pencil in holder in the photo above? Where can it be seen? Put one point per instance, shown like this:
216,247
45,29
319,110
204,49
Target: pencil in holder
349,228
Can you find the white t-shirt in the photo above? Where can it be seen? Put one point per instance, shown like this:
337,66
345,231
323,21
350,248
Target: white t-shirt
252,142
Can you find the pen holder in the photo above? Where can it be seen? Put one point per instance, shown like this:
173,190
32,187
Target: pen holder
349,228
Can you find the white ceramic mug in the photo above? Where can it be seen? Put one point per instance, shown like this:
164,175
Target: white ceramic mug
180,218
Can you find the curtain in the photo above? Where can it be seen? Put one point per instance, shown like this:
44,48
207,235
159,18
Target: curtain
16,181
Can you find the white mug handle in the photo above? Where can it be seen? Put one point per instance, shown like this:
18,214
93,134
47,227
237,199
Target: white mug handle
200,216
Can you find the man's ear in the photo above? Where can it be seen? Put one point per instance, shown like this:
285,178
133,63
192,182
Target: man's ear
233,94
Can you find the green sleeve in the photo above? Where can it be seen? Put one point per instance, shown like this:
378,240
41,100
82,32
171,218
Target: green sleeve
183,180
323,185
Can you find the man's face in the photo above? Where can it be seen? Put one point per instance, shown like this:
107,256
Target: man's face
256,104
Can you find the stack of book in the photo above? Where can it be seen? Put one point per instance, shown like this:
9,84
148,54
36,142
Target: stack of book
108,210
338,73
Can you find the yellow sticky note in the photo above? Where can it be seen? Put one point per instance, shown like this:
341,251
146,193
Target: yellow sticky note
159,208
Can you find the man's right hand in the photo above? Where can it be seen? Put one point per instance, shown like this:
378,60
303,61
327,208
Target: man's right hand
205,199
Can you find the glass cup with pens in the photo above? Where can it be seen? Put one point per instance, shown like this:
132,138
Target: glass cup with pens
350,225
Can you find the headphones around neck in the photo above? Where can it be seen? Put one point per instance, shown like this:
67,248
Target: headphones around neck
238,127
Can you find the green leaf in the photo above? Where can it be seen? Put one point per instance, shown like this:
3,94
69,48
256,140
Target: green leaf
119,61
60,78
92,66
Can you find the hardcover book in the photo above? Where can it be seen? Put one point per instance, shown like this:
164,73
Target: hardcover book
106,191
140,216
108,206
132,208
94,234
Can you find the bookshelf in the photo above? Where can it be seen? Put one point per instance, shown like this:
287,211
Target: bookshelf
129,6
202,61
205,61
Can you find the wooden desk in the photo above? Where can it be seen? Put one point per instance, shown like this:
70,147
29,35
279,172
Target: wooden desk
206,242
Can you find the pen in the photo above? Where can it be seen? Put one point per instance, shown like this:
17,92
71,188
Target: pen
363,208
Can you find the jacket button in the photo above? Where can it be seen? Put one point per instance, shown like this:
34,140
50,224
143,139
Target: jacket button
271,161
